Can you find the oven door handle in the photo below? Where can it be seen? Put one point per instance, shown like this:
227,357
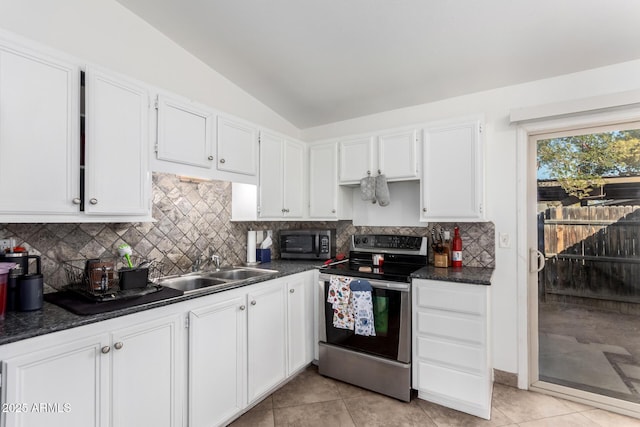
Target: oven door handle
396,286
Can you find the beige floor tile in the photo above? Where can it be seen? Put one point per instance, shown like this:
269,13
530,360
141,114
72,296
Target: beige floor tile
320,414
605,419
520,405
306,387
449,417
254,418
568,420
377,410
267,403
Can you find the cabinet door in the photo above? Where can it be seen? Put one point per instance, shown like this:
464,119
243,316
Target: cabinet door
72,379
293,179
271,176
39,134
266,338
397,156
117,166
356,159
184,133
299,321
237,147
323,181
217,362
145,374
452,177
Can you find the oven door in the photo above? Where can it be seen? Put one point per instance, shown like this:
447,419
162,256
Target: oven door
392,319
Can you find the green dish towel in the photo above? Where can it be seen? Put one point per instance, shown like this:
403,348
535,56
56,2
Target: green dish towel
381,315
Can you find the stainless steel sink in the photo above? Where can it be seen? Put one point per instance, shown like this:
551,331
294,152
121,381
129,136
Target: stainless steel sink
194,282
191,283
234,274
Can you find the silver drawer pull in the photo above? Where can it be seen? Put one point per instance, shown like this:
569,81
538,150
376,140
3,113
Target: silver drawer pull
242,307
253,302
106,349
118,345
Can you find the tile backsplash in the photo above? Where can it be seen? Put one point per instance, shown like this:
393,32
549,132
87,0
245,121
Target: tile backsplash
194,219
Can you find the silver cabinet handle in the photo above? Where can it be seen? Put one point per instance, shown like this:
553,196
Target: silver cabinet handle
118,345
291,291
210,157
379,172
283,211
222,160
333,211
93,201
424,209
253,302
106,349
77,201
242,307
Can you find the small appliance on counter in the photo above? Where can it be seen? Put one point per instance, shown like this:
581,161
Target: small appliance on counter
24,288
307,244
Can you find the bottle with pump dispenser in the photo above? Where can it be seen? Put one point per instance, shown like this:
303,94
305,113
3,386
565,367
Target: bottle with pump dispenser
456,249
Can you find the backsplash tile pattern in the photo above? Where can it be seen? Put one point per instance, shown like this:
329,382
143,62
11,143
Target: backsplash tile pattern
195,219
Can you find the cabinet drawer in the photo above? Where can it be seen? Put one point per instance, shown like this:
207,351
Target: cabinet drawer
453,327
458,297
453,384
465,357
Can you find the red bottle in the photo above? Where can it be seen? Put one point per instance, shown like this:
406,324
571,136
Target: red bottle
456,249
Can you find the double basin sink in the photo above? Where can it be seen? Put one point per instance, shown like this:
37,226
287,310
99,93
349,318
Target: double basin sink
200,281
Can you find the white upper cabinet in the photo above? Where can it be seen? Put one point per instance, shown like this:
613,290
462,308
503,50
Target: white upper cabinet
323,181
117,166
327,200
282,180
356,159
393,153
185,132
452,179
397,154
237,146
39,134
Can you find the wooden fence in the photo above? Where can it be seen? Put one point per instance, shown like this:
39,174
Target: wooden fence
590,252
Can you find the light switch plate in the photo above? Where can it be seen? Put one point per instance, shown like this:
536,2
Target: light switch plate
504,240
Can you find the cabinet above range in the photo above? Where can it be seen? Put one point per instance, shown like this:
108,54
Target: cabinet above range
393,153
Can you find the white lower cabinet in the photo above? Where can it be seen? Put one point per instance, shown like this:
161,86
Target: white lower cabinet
299,321
124,378
244,343
217,360
451,359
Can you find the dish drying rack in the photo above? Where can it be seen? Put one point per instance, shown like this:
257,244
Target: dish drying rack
110,278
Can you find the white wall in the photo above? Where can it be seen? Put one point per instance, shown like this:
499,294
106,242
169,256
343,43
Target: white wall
500,167
107,34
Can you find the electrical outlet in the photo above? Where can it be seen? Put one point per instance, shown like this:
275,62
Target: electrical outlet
504,240
5,244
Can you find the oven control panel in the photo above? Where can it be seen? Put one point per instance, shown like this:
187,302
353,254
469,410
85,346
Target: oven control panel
389,243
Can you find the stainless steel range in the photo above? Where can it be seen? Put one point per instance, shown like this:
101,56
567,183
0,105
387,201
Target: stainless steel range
381,363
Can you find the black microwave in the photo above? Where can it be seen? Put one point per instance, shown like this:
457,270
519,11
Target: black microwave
307,244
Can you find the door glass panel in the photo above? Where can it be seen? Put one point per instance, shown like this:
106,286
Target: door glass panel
588,185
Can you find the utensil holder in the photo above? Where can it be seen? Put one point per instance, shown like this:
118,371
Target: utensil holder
132,278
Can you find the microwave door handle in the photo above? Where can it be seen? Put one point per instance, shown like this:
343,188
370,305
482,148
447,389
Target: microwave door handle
317,245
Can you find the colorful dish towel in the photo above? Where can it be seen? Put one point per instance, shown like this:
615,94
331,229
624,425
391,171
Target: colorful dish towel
340,298
362,305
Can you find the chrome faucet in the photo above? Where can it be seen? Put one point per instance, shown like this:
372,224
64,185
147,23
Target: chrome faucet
216,261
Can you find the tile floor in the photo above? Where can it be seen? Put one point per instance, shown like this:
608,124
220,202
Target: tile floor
310,399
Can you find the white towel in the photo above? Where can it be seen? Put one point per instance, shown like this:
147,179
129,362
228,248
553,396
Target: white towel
362,306
340,296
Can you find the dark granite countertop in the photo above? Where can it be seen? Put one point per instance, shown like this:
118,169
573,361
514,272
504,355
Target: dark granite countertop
19,326
471,275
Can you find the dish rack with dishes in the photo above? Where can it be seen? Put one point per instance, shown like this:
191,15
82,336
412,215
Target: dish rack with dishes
109,278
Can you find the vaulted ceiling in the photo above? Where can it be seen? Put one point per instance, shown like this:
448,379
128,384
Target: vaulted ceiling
321,61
